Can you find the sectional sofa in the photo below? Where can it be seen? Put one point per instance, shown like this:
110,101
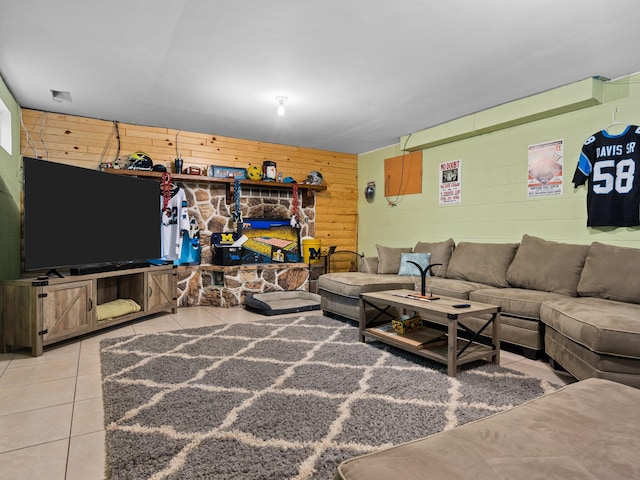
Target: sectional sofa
579,304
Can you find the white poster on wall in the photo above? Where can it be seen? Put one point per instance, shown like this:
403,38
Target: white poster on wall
451,182
545,168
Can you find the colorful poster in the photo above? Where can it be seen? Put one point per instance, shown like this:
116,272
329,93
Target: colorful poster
450,182
546,161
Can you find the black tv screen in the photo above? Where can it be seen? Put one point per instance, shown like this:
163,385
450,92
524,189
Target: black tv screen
75,216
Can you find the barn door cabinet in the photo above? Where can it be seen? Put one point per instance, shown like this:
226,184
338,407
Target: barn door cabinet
37,313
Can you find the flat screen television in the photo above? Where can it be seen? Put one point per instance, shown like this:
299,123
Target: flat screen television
88,220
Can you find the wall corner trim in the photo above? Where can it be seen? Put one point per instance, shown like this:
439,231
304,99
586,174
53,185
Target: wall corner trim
567,98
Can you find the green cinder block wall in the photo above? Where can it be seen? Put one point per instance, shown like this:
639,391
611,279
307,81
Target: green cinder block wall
10,187
495,206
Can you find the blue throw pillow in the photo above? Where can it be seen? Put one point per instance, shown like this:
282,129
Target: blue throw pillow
406,268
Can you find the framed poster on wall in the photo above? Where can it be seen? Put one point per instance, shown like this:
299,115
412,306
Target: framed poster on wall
450,179
545,164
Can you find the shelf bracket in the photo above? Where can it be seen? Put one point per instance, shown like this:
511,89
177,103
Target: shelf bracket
228,188
307,197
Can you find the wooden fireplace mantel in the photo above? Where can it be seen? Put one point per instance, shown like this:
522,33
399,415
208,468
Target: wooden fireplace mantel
307,191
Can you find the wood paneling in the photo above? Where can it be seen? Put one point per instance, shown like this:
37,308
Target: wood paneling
86,142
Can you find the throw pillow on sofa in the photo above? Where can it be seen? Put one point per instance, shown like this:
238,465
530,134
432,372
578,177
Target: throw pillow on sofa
407,268
611,272
547,266
389,258
485,263
440,253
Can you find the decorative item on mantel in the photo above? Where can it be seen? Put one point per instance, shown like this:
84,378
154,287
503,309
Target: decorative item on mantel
269,171
227,172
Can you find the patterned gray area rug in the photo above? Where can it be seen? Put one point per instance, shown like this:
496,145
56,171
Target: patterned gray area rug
279,399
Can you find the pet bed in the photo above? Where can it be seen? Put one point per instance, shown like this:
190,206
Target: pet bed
276,303
116,308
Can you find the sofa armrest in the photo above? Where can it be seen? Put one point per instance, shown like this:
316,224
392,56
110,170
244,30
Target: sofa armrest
368,265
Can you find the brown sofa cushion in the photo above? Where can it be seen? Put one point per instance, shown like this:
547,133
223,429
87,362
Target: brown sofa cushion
440,253
611,272
517,302
352,284
389,258
482,262
602,326
585,430
547,266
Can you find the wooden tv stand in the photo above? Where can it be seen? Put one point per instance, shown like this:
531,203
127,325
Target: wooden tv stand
39,312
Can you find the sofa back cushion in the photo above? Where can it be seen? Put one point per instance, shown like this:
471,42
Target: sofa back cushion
368,265
440,253
547,266
482,262
611,272
389,258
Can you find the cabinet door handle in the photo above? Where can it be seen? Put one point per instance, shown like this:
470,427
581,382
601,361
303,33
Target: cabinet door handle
150,291
90,304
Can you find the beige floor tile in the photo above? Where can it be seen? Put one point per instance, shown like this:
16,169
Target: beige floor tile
89,365
88,416
20,398
237,315
86,457
197,320
34,427
190,313
61,352
38,372
88,386
113,332
542,370
47,461
507,357
5,359
165,323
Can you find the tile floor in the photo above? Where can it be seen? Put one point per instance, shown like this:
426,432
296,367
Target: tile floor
51,412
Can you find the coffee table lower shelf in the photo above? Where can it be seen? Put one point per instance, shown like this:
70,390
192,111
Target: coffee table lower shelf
433,344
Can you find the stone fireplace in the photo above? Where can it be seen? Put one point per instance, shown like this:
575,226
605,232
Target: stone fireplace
219,286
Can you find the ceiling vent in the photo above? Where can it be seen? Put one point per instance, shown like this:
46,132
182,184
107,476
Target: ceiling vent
60,96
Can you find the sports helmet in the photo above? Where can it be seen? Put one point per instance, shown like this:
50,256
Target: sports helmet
140,161
289,180
314,178
158,167
254,172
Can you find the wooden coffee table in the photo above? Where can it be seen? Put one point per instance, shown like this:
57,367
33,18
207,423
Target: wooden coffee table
444,347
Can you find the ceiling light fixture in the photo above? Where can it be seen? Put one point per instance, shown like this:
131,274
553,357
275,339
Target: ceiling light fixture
60,96
280,99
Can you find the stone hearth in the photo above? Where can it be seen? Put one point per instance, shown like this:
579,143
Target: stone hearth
217,286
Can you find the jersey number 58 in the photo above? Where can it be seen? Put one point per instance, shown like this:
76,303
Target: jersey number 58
622,181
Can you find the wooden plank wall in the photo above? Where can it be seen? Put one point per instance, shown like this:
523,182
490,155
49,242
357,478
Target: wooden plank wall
87,142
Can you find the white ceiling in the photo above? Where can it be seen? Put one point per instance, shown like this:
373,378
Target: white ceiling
358,74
